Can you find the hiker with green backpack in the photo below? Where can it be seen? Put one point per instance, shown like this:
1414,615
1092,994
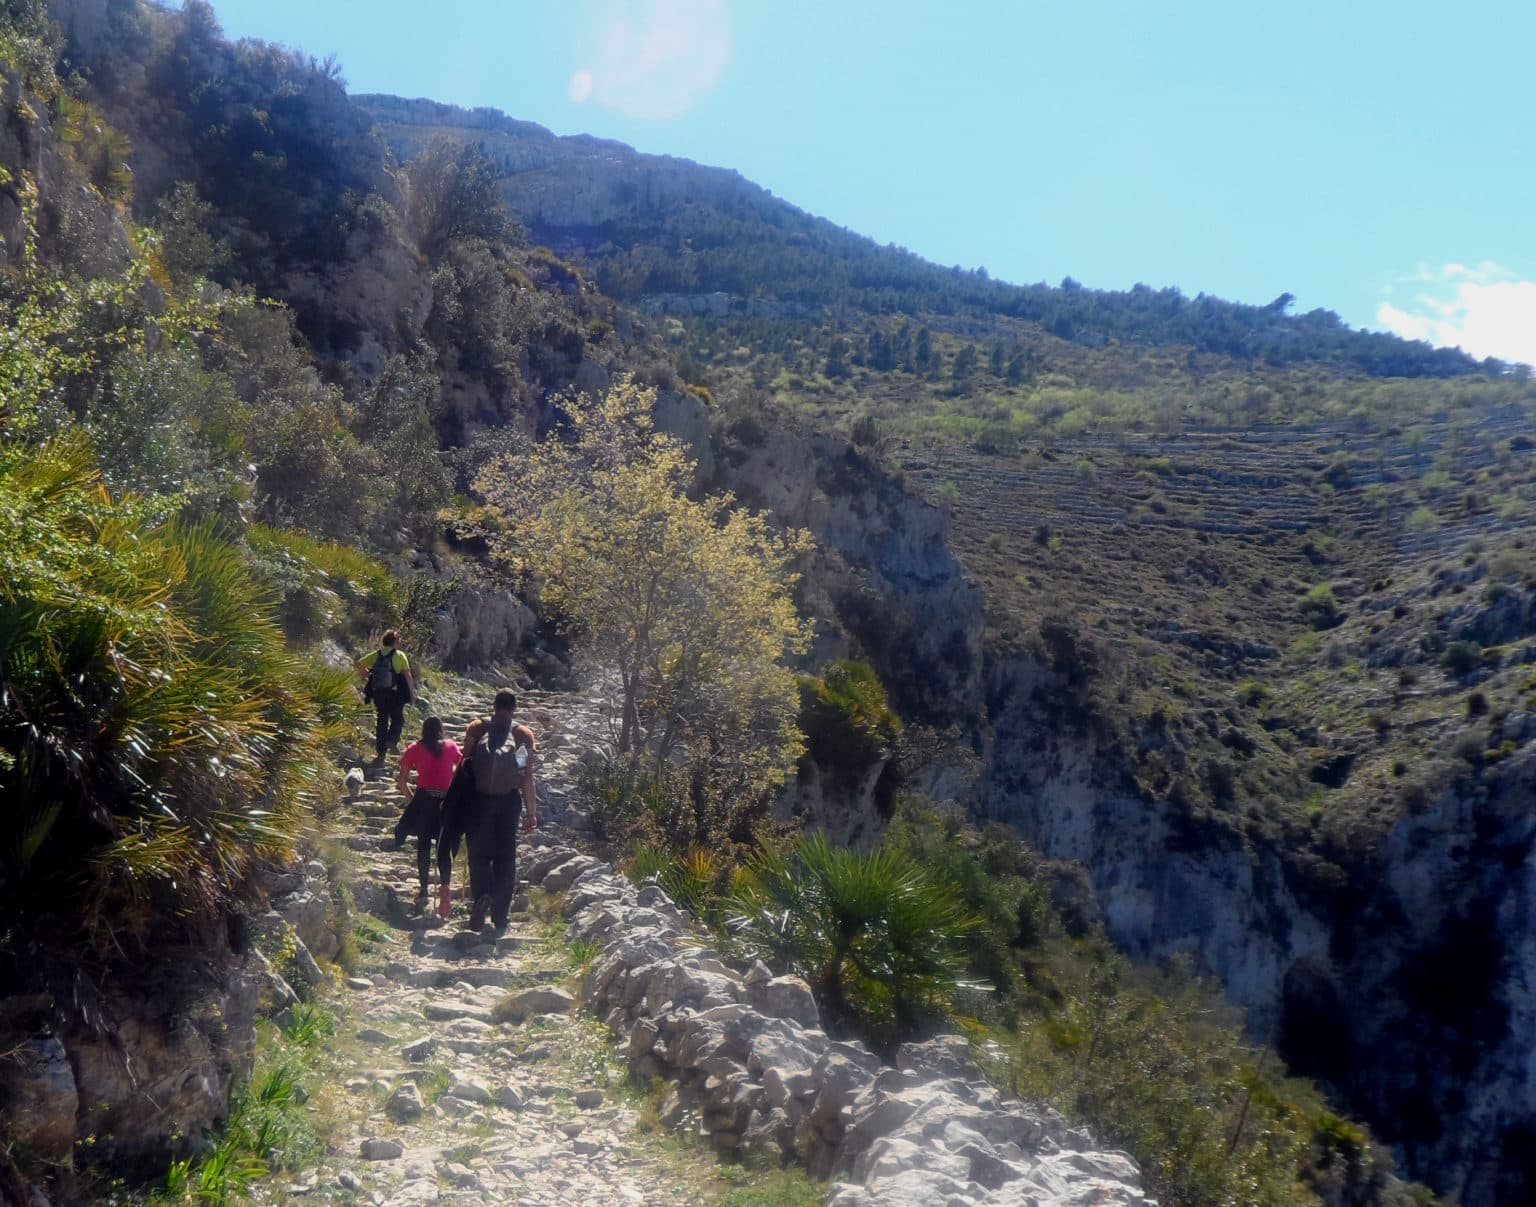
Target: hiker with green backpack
388,686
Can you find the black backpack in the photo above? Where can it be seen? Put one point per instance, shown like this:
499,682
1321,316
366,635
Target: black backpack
382,677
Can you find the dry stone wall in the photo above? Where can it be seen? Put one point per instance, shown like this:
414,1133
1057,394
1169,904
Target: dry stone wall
750,1067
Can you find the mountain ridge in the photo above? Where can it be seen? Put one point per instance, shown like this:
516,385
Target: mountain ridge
592,212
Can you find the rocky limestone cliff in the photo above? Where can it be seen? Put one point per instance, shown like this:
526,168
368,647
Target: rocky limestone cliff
1410,991
1436,978
555,184
886,576
121,1075
117,1073
1161,887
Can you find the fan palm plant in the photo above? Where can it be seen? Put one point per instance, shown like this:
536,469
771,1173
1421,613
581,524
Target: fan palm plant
695,878
156,734
879,941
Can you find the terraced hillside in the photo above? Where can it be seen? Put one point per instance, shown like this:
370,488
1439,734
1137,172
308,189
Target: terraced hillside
1204,508
1193,555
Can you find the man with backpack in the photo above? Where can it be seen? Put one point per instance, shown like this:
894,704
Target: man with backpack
388,686
499,755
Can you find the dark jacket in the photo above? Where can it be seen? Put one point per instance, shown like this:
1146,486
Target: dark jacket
459,805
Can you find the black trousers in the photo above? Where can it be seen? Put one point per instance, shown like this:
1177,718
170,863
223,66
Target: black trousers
390,707
423,817
492,839
445,854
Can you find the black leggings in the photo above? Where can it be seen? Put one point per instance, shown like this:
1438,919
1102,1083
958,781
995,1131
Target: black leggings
445,853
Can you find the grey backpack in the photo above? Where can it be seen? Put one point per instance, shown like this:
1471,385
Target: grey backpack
499,760
382,677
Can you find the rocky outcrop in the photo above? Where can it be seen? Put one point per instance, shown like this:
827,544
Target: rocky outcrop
1429,1001
479,627
1159,889
555,183
125,1074
376,298
123,1071
750,1067
39,1099
45,193
1408,989
886,575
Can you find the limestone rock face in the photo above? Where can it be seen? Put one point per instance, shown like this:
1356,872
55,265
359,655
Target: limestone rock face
308,908
556,184
1418,997
380,289
138,1065
38,1099
75,225
149,1064
479,627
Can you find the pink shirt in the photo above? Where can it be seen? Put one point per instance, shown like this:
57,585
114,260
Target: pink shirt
432,770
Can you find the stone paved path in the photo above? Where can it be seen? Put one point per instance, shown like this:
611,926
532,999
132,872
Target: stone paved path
477,1080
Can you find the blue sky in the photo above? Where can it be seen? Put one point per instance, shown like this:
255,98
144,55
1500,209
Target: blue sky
1377,159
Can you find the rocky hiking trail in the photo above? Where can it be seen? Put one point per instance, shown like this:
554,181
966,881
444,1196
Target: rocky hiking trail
473,1074
475,1082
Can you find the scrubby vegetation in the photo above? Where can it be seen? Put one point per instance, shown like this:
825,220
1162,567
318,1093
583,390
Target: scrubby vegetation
274,1123
878,938
159,735
847,720
687,604
247,383
944,923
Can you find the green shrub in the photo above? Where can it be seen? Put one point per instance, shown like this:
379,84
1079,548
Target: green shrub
273,1123
1319,608
324,589
847,720
673,810
1168,1076
1461,658
879,940
1497,592
1253,694
697,879
154,729
992,877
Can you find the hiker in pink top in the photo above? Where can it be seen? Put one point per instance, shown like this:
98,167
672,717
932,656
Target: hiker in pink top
434,760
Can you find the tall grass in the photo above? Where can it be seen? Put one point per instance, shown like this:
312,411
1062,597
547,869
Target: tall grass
323,588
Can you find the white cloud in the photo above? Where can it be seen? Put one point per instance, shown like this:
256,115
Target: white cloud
653,59
1485,310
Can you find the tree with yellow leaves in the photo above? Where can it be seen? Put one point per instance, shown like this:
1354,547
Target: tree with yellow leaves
687,601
